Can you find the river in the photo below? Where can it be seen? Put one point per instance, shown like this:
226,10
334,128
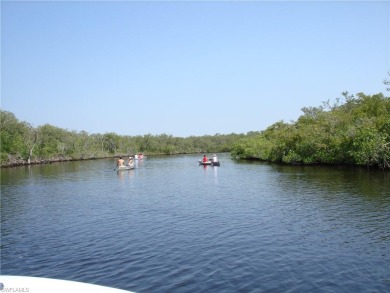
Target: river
171,225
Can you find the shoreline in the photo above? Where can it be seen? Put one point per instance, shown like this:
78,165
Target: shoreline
21,163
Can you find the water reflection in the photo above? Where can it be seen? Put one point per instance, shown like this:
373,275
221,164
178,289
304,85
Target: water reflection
373,183
263,228
122,175
349,202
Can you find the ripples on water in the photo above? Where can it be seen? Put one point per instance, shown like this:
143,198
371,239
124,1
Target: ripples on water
173,226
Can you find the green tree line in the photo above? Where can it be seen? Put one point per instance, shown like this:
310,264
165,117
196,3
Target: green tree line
22,143
352,131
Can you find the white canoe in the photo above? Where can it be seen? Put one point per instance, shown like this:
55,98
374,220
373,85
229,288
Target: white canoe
139,156
209,162
46,285
126,167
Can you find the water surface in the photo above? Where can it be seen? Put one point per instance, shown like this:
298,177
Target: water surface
171,225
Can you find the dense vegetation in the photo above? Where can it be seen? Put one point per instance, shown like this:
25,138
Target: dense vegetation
21,143
355,132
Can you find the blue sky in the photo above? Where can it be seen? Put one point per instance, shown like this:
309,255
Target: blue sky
186,68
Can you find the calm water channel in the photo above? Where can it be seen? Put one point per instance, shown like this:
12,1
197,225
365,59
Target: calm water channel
171,225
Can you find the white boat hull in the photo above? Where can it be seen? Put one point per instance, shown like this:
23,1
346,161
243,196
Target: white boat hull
124,168
46,285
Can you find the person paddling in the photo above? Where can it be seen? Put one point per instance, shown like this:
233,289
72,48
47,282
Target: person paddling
120,162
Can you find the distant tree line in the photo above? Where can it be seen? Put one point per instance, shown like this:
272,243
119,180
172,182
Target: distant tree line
352,131
355,131
21,143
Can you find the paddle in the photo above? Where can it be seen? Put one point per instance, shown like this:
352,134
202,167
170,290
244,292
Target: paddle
115,168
